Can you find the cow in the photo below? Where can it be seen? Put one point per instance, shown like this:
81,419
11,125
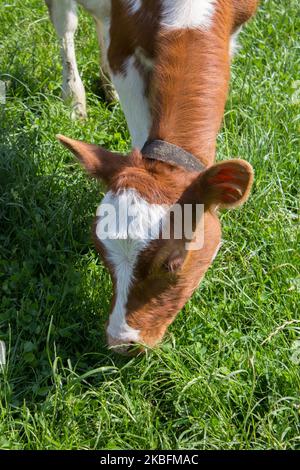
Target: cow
169,61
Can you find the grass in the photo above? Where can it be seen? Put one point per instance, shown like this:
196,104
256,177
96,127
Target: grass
227,375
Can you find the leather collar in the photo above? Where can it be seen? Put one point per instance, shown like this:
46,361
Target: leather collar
169,153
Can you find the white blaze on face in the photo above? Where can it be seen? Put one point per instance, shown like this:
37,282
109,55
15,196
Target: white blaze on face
180,14
126,225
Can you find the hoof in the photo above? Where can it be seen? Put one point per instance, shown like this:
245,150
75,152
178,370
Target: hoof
78,112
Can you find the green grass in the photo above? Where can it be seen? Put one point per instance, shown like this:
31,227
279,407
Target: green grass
226,376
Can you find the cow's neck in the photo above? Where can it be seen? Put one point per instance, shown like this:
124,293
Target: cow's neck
181,100
189,91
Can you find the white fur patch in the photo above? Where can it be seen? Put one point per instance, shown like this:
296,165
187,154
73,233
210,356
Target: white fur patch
234,45
134,5
126,225
181,14
217,251
131,89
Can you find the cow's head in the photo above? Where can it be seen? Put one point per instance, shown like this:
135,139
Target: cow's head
153,235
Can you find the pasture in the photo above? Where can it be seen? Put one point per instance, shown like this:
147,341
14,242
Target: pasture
227,375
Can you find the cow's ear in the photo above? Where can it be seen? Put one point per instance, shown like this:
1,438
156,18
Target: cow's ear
97,161
226,184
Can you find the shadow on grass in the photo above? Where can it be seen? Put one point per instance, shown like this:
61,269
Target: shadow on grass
55,294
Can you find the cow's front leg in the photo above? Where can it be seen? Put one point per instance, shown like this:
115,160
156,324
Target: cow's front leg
63,14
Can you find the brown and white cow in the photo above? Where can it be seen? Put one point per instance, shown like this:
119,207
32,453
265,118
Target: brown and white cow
169,61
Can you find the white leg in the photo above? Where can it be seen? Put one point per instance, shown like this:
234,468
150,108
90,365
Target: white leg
63,14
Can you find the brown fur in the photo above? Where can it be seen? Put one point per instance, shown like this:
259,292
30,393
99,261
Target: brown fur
188,90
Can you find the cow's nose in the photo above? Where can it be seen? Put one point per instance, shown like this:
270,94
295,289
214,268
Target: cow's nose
123,347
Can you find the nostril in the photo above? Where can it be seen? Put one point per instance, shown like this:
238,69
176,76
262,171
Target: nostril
123,346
